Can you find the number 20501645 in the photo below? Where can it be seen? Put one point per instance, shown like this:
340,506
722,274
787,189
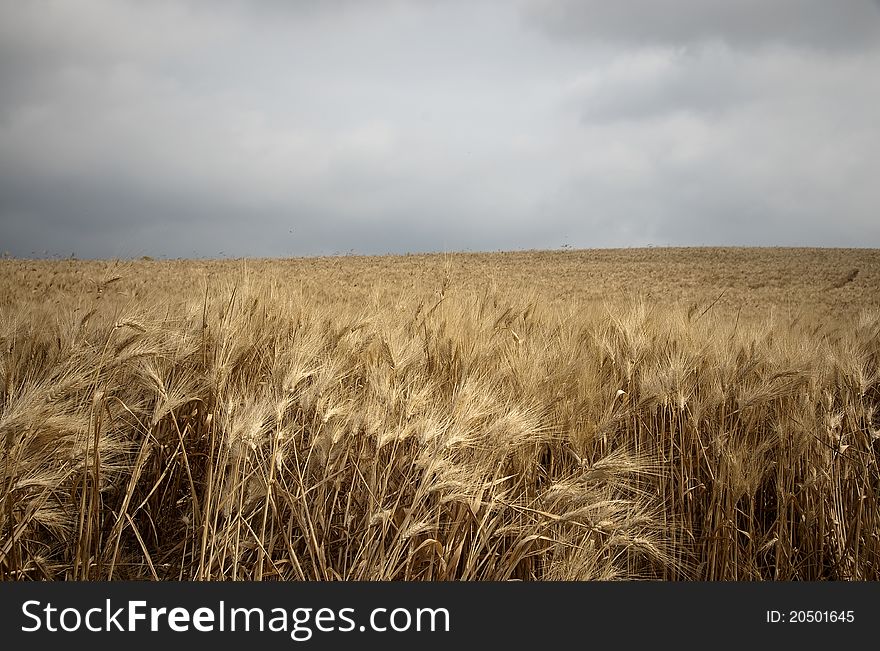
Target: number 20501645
810,616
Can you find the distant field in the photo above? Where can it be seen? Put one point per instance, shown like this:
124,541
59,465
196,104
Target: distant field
706,414
824,282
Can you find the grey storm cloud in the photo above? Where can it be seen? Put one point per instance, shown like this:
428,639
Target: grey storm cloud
849,24
273,128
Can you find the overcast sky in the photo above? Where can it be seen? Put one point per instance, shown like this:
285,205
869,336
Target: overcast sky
224,128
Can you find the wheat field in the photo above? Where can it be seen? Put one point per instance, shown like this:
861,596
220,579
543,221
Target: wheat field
671,414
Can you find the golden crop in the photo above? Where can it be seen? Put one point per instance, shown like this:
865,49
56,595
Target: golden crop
648,413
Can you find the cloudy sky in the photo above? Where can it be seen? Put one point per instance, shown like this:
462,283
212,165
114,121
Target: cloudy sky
232,128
